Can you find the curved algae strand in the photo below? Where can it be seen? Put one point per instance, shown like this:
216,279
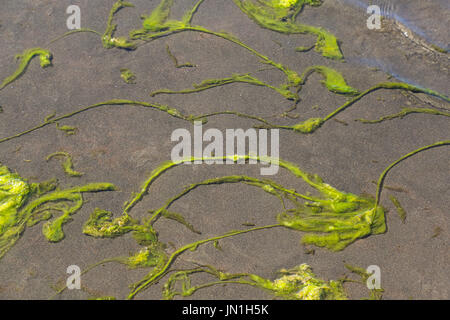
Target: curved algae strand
175,60
53,230
45,59
157,25
159,272
334,81
157,19
266,185
401,212
114,102
108,39
67,164
298,283
280,16
187,17
391,86
404,112
73,32
101,225
312,124
392,165
235,78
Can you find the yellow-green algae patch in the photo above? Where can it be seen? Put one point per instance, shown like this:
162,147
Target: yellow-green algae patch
334,81
45,60
298,283
67,163
398,206
68,130
127,76
280,15
23,204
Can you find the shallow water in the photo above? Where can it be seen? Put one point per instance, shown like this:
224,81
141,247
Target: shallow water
123,145
427,18
396,50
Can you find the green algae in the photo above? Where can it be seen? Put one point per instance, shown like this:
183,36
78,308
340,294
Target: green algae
298,283
310,125
383,175
401,212
280,16
68,33
159,272
175,60
235,78
45,60
127,76
23,204
114,102
101,225
68,130
108,39
375,294
67,164
335,206
157,25
334,81
307,126
406,111
333,220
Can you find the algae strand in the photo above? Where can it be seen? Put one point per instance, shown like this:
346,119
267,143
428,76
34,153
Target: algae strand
67,164
45,60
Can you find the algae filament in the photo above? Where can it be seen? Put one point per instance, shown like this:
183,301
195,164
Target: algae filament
45,60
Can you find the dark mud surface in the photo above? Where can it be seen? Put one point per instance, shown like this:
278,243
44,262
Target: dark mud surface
122,145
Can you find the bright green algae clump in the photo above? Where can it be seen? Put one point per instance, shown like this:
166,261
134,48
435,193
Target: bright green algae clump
334,81
45,58
23,204
298,283
279,15
13,193
102,225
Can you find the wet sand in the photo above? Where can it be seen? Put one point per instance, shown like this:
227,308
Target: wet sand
122,145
